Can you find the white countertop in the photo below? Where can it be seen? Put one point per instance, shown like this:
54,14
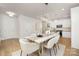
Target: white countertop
67,29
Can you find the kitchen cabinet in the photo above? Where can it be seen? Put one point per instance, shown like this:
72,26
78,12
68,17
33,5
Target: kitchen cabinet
66,34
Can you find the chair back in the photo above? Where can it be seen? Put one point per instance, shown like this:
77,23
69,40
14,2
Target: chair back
57,38
23,46
28,47
51,43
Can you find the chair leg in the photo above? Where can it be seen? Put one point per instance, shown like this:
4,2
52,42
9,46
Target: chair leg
54,51
50,52
39,52
58,46
55,48
21,53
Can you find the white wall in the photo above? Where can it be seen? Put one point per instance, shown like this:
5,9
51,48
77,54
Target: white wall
28,26
8,27
75,27
16,27
0,26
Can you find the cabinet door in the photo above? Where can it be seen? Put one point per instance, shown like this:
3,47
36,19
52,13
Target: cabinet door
75,27
66,34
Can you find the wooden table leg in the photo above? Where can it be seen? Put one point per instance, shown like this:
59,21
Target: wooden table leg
41,49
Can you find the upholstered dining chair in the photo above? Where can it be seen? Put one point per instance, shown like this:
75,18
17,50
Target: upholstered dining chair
28,47
57,37
50,45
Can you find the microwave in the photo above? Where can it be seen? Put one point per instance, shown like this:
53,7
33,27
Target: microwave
58,26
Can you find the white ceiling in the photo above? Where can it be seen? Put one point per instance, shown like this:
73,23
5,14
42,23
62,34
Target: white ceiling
36,10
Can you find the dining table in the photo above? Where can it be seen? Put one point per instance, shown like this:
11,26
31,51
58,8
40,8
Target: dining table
41,40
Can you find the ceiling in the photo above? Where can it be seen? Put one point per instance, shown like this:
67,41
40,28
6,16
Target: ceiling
36,10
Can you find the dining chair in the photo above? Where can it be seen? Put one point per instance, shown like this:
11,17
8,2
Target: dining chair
57,37
50,45
28,47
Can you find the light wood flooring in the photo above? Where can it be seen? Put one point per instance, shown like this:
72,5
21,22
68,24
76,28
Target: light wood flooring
11,45
68,50
8,46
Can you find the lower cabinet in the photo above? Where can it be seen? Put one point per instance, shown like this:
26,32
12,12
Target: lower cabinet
66,34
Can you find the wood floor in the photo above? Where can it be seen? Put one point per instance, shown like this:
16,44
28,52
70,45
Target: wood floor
68,50
11,45
8,46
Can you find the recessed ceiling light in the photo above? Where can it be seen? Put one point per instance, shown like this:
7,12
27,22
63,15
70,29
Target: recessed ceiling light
11,14
62,9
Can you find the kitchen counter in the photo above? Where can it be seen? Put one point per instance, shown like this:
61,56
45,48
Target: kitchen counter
66,32
66,29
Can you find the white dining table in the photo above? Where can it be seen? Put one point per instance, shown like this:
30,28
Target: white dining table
41,40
